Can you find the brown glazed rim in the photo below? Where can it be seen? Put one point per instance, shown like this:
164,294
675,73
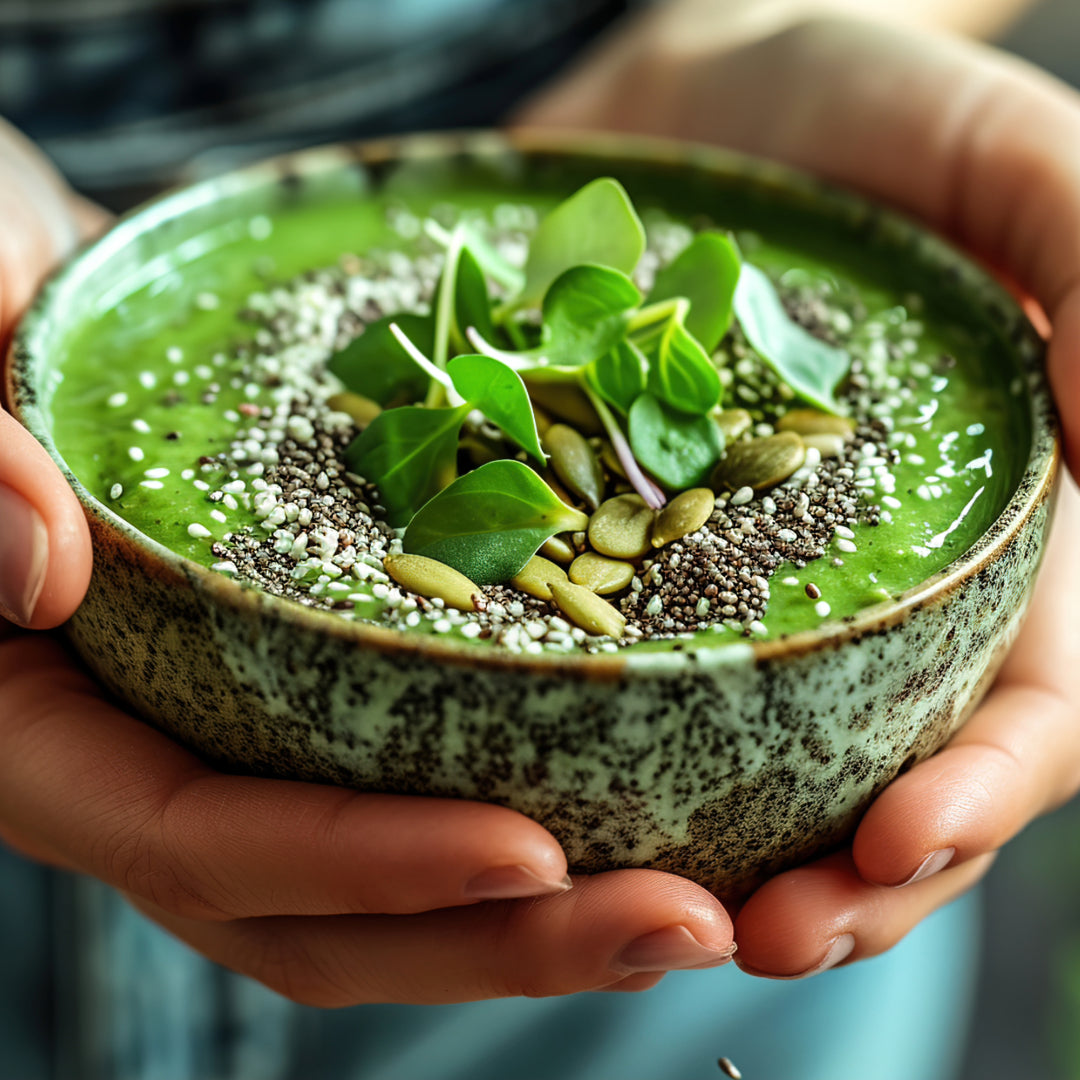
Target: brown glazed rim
1034,488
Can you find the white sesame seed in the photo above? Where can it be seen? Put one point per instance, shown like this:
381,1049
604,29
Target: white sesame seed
844,531
442,626
153,485
148,379
116,491
217,515
742,496
174,354
846,546
890,500
469,630
757,627
156,474
225,567
141,426
822,608
199,532
116,401
655,605
135,453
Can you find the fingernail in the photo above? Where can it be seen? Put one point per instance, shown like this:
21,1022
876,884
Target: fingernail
935,861
512,882
671,948
24,555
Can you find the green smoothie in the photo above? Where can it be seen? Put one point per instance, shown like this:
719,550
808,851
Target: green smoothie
171,373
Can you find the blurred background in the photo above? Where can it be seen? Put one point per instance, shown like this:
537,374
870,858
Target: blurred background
1027,1016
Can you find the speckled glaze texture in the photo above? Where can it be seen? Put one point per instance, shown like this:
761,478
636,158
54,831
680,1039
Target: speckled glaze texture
725,764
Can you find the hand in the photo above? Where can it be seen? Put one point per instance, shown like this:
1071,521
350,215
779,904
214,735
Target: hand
326,895
987,149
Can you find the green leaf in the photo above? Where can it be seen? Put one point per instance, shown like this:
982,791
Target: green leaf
498,392
705,273
597,224
585,313
810,366
472,306
680,371
488,523
619,375
409,454
679,450
376,365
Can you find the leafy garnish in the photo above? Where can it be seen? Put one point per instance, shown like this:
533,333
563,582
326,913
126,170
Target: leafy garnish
377,366
597,224
498,392
410,454
488,523
679,450
680,371
705,273
619,375
810,366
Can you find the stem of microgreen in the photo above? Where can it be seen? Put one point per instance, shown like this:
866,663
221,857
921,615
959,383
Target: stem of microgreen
494,264
652,494
442,384
487,349
659,312
513,330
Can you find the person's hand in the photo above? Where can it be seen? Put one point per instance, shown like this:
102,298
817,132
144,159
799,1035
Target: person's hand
326,895
986,149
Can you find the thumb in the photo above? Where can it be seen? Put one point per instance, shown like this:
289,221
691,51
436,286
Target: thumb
44,541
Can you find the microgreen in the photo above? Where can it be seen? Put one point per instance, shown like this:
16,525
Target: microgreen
597,224
810,366
488,523
619,375
679,450
376,365
498,392
705,274
680,371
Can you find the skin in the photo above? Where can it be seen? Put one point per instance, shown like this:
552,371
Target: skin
336,898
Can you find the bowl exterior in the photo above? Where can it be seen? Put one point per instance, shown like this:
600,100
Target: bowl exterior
724,764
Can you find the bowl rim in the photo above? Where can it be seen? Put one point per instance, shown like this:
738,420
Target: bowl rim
1034,486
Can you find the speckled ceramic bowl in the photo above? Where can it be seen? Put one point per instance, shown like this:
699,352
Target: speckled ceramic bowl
725,764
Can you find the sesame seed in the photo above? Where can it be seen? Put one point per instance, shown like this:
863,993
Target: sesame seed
136,453
822,608
153,485
116,491
846,546
141,426
742,496
198,532
217,515
117,400
156,474
148,379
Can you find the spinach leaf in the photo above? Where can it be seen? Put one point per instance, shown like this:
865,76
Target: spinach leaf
679,450
811,367
498,392
585,313
597,224
409,454
619,375
680,371
488,523
376,365
705,273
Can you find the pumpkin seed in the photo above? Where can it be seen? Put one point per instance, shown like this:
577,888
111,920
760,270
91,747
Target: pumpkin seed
534,576
732,422
593,614
760,463
686,513
564,401
558,549
575,464
433,579
600,574
622,527
827,445
610,460
815,422
363,410
560,492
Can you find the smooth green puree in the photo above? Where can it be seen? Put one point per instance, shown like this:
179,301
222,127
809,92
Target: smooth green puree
128,410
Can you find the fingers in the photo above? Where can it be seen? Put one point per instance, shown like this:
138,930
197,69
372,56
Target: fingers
603,932
1016,758
116,799
824,914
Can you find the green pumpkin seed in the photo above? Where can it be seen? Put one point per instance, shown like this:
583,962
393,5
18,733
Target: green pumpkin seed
815,422
593,614
558,549
610,460
362,410
622,527
686,513
534,576
827,445
732,422
760,463
433,579
575,464
600,574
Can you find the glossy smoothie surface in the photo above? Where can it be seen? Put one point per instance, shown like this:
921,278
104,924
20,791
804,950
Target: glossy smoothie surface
127,409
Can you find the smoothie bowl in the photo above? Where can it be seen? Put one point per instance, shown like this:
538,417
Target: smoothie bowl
669,497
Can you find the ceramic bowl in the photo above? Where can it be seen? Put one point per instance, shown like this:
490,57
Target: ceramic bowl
724,764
